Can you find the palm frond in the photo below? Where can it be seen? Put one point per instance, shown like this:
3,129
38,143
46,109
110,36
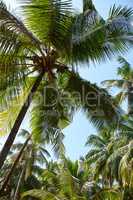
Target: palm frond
116,83
93,156
120,97
11,22
47,120
10,108
54,21
125,167
111,36
120,12
125,70
94,101
95,141
108,194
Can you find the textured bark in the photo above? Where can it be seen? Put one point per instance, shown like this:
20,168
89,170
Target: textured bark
130,98
17,124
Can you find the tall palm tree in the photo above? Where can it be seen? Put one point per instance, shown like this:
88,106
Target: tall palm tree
50,39
125,84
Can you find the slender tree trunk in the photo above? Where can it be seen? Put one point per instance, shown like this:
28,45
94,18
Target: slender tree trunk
16,195
130,98
14,165
110,181
21,115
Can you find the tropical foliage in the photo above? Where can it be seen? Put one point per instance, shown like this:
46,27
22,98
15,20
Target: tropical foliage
40,53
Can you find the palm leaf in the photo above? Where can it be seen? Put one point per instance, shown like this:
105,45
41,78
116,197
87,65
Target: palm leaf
95,141
120,11
54,21
111,36
94,101
111,83
13,23
10,108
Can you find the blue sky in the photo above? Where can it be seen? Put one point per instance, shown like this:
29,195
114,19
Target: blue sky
80,129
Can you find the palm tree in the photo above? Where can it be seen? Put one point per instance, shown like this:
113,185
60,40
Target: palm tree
28,161
62,184
110,155
125,165
99,155
105,155
125,84
51,39
62,180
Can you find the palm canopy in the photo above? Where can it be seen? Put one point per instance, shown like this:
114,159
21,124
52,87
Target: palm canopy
124,84
50,39
29,46
62,184
110,155
52,25
125,72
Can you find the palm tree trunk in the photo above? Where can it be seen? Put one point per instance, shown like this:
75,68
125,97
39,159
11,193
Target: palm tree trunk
16,195
130,98
21,115
14,165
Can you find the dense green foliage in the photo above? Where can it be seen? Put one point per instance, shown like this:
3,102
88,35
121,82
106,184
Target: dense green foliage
39,58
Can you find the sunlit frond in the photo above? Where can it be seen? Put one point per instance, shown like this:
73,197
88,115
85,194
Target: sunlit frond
50,21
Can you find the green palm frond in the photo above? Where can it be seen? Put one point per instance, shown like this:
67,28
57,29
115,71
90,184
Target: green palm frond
96,141
93,156
33,157
94,101
125,70
54,27
115,83
125,167
120,11
24,133
12,23
44,151
50,115
61,185
120,97
124,62
124,84
113,36
40,194
11,105
108,194
16,52
14,66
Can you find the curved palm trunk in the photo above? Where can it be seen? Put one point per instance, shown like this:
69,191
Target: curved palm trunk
130,98
22,113
14,165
